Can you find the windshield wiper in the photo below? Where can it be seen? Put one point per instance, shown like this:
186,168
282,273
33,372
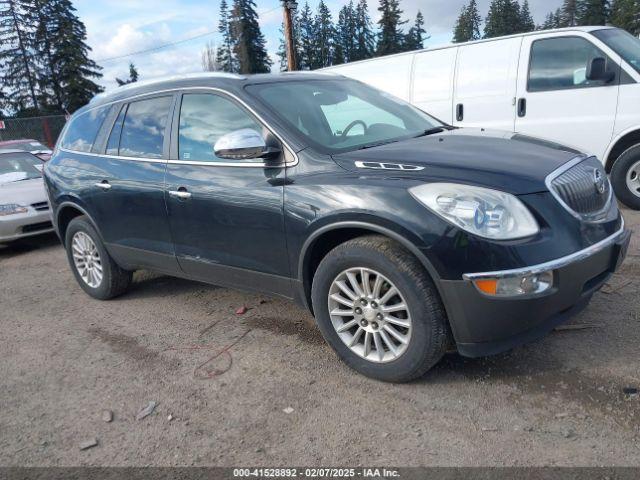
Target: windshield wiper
432,131
378,144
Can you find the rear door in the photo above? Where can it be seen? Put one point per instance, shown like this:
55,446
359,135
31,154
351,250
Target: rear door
227,219
485,84
556,101
129,173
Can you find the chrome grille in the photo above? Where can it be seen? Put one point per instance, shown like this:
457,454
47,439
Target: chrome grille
582,187
40,206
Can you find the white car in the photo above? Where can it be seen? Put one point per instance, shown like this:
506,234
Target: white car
24,207
577,86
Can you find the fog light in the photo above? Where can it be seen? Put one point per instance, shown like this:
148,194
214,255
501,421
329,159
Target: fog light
514,286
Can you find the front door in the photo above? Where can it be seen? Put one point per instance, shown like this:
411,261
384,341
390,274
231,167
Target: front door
555,99
226,217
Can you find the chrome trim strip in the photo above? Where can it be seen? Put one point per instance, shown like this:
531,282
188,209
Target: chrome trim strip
559,171
403,167
552,264
212,164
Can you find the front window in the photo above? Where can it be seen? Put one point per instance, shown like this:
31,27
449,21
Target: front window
30,146
15,167
623,43
342,115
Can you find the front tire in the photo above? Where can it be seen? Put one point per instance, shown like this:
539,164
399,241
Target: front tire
379,310
625,177
95,271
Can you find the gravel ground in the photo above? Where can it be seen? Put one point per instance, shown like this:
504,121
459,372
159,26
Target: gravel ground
263,389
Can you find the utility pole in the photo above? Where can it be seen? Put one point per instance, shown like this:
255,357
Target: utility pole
289,7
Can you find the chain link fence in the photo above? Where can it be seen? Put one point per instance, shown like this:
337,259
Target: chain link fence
44,129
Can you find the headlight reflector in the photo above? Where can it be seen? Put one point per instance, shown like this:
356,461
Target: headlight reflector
12,209
481,211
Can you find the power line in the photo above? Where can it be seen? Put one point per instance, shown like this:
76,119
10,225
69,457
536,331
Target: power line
171,44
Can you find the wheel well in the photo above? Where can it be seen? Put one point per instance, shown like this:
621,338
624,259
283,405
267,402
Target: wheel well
64,218
323,244
626,142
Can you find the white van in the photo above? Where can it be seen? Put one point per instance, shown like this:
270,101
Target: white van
577,86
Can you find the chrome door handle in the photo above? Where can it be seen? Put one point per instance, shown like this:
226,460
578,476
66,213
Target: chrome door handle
103,185
181,194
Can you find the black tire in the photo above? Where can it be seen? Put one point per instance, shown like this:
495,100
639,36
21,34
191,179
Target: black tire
115,280
619,173
430,333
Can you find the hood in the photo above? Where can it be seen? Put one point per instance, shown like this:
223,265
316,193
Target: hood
504,161
24,192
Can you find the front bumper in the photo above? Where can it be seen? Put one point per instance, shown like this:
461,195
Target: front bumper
484,325
32,222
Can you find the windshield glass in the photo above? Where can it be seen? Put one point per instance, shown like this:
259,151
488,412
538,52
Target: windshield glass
342,115
15,167
623,43
30,146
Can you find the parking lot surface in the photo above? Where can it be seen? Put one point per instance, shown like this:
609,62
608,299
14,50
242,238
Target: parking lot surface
262,387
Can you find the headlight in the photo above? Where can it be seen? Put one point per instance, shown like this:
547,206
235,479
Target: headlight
12,209
481,211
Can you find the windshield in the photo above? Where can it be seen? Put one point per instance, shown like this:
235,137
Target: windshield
15,167
342,115
623,43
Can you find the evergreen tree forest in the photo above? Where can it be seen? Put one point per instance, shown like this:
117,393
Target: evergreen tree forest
45,64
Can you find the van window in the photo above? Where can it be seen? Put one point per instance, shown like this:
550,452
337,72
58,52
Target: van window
204,118
83,129
561,63
144,127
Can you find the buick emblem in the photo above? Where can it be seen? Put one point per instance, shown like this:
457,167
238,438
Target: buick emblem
599,181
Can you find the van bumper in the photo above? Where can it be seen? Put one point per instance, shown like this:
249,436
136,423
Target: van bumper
484,325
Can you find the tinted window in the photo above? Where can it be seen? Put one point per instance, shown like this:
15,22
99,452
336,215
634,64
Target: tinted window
561,63
143,129
83,129
113,144
204,118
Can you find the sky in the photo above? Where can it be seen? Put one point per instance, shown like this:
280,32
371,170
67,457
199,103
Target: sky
120,27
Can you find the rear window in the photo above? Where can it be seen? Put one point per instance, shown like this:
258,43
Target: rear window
143,129
83,129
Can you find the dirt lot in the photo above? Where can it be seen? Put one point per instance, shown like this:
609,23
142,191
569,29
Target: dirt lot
65,358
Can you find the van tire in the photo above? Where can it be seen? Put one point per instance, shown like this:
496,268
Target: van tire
115,280
429,335
629,159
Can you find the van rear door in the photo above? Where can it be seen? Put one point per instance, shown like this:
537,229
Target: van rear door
485,84
556,101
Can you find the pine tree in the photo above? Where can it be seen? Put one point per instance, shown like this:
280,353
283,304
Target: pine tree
282,47
346,28
307,38
365,38
468,24
390,36
75,70
249,44
17,61
626,14
526,20
324,37
569,14
414,40
209,58
225,56
133,76
592,12
503,18
43,20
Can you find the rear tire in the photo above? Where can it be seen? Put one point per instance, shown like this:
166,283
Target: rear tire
95,271
361,261
625,177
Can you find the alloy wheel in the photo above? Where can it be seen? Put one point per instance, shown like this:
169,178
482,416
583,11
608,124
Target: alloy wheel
370,314
86,259
633,179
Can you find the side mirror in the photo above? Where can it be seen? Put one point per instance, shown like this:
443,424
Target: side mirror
597,70
241,144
